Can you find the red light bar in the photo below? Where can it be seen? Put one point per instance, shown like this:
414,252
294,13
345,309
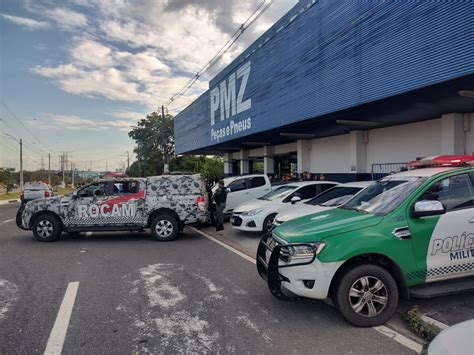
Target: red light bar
442,160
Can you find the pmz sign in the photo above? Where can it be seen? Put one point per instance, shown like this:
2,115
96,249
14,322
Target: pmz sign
227,100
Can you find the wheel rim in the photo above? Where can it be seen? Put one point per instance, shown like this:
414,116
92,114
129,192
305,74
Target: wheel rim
269,223
164,228
44,228
368,296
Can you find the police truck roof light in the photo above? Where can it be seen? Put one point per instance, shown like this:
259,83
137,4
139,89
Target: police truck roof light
443,160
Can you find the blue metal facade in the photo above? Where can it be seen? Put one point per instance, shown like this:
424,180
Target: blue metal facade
326,56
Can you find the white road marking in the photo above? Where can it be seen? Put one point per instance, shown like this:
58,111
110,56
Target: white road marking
235,251
8,220
58,333
435,322
389,332
399,338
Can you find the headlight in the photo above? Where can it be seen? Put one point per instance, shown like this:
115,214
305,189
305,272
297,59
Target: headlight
252,212
301,253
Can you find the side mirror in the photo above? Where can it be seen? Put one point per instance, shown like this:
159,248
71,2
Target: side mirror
227,190
295,199
97,193
74,194
427,208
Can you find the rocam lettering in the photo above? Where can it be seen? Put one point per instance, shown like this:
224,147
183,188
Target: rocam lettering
105,210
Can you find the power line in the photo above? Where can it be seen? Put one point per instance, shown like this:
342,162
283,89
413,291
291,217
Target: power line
24,126
250,20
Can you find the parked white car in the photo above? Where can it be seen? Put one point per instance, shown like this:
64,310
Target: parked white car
242,189
328,199
35,190
257,215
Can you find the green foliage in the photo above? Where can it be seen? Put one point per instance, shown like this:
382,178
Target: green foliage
418,326
150,143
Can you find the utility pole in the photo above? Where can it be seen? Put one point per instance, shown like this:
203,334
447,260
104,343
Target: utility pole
72,175
49,169
166,169
21,164
139,161
128,160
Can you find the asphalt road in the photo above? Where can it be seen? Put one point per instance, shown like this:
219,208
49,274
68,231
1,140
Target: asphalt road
140,296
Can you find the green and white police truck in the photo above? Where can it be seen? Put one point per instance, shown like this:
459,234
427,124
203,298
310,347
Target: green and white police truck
409,234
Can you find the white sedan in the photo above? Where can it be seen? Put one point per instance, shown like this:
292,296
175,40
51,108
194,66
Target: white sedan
257,215
331,198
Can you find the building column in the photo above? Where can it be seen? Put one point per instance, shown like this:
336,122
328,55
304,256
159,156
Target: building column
268,161
244,162
453,138
228,170
358,151
303,149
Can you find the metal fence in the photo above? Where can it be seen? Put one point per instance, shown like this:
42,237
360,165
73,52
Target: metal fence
384,169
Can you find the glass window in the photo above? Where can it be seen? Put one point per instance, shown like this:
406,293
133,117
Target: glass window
385,195
278,194
334,197
95,189
324,187
454,193
257,181
237,185
305,192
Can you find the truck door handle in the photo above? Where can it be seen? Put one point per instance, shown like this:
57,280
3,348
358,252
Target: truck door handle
471,220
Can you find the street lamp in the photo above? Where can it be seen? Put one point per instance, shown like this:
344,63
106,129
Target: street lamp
20,141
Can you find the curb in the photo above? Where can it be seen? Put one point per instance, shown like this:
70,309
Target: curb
6,202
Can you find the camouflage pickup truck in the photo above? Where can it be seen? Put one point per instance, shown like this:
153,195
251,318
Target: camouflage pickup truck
162,203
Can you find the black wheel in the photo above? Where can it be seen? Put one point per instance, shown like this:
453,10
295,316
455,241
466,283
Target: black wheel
366,295
164,228
47,228
268,223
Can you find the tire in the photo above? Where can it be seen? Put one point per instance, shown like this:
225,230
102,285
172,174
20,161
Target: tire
268,223
360,307
164,228
47,228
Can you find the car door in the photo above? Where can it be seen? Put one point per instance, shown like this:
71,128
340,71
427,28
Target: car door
258,186
123,203
83,210
239,193
444,244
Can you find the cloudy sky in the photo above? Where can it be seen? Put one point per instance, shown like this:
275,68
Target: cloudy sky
76,74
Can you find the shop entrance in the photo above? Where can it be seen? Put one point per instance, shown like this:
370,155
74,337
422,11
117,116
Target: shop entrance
286,164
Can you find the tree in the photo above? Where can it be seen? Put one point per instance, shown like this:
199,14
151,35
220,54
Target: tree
148,136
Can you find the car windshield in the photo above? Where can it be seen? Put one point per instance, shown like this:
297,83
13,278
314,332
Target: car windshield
334,196
385,195
278,193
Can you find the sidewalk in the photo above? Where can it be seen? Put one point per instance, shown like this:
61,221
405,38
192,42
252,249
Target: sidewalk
6,202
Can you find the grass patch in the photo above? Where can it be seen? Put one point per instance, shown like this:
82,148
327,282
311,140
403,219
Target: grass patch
9,196
63,190
418,326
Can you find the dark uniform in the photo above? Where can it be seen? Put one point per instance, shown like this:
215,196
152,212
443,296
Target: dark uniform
220,198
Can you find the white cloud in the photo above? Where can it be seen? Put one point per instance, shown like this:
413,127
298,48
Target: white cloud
146,52
77,123
29,23
67,19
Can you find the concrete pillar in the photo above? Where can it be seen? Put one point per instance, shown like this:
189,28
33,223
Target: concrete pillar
358,151
453,138
244,162
268,161
303,149
228,170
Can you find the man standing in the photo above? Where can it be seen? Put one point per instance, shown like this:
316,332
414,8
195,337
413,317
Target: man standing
220,198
